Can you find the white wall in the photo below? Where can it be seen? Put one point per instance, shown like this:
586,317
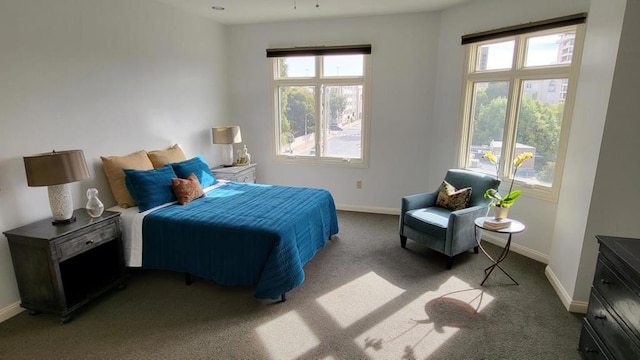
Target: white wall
108,77
404,56
570,245
616,194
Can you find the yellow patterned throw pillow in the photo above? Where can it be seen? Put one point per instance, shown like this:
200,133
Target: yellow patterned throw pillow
187,189
451,198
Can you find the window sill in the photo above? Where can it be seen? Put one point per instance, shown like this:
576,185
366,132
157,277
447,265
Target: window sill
540,192
309,160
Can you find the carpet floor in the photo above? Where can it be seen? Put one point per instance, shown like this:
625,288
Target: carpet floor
364,297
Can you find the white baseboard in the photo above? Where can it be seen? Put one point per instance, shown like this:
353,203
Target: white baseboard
571,305
10,311
368,209
487,236
522,250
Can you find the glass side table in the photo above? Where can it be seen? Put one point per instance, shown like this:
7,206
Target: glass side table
515,227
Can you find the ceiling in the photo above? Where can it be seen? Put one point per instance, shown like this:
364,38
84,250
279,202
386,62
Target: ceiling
260,11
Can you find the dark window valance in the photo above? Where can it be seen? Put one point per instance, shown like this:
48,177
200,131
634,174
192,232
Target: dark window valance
525,28
320,50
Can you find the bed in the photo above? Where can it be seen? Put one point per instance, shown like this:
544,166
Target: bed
237,234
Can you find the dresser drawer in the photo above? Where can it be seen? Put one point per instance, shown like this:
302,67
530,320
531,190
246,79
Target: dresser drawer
590,346
618,294
606,325
73,246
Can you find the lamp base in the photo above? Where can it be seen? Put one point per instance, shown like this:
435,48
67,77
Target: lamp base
62,222
61,204
227,155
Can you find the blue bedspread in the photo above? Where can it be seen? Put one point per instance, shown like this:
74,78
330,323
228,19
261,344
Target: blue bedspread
242,234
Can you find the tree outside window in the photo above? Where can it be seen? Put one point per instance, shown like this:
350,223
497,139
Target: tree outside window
520,104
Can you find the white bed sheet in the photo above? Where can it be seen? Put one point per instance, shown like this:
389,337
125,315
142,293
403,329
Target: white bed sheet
131,228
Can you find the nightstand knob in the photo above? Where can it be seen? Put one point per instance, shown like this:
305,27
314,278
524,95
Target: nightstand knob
89,242
600,317
605,282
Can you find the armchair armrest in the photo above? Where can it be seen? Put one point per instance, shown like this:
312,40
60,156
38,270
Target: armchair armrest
461,227
415,201
418,201
471,212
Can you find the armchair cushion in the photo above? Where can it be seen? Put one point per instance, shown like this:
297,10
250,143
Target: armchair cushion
431,220
451,198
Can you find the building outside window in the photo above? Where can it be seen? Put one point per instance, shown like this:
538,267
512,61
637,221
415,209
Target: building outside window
320,104
519,93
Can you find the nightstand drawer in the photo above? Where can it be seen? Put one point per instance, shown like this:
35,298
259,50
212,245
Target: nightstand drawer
77,245
247,178
239,173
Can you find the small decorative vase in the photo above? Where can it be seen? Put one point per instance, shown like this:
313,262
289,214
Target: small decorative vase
94,205
500,212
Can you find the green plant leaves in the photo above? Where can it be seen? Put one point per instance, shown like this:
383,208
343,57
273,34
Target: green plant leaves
497,200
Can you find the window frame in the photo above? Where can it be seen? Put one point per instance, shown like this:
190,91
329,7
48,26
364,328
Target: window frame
516,76
318,81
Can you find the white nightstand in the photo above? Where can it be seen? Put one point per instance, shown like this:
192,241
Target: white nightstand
241,173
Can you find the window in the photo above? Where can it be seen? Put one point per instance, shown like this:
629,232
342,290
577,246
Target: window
320,104
518,98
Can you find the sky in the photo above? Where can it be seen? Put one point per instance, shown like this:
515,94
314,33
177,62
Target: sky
542,50
338,65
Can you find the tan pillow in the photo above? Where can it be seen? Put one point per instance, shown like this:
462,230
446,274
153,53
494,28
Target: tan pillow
113,167
160,158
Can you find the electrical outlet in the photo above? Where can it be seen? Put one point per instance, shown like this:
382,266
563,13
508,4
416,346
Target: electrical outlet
359,184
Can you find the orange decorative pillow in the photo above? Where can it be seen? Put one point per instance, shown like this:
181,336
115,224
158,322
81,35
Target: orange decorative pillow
451,198
160,158
187,189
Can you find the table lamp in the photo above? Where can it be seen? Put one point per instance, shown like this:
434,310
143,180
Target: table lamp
226,136
56,170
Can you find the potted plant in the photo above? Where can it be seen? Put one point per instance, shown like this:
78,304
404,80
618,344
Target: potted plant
501,203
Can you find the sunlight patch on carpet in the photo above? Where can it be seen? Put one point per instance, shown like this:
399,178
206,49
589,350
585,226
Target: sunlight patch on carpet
419,328
287,337
358,298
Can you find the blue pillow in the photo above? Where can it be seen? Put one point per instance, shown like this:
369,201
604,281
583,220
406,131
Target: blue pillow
150,188
197,166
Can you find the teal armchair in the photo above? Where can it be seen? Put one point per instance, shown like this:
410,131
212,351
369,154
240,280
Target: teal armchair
443,230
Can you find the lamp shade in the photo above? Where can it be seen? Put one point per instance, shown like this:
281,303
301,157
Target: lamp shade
55,168
226,135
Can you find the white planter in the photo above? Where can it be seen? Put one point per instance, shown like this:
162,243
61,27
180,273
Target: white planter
500,212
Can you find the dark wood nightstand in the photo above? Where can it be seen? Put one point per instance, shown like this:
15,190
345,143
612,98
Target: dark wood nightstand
59,268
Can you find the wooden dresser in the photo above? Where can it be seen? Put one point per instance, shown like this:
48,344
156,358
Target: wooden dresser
59,268
611,328
240,173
